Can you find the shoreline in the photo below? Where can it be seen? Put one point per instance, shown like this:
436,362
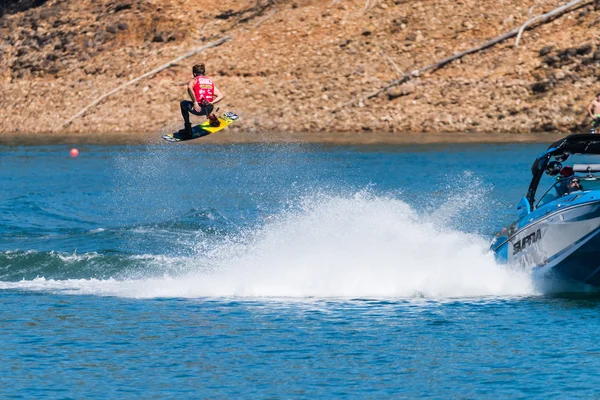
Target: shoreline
238,137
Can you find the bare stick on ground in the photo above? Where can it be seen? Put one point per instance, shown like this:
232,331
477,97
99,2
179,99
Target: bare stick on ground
541,19
259,23
147,74
396,67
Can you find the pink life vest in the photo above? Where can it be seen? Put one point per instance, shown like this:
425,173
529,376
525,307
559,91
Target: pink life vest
204,88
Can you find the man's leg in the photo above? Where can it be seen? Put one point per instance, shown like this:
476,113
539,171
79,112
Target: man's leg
208,111
595,124
187,107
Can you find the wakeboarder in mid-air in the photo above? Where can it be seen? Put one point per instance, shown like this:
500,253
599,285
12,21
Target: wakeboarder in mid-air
204,95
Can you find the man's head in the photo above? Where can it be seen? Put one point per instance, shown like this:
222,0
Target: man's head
199,70
574,184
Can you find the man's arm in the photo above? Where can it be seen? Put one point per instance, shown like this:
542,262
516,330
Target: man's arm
190,90
591,108
218,96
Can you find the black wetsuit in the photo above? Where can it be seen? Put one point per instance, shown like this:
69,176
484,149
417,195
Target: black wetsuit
187,107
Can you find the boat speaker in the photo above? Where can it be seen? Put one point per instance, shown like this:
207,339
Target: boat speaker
553,168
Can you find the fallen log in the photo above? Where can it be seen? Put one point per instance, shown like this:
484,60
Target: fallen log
147,74
541,19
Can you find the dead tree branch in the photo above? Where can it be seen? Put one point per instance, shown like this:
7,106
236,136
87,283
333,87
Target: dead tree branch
541,19
545,17
154,71
259,23
396,67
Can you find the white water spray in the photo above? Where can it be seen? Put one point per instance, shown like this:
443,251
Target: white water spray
330,246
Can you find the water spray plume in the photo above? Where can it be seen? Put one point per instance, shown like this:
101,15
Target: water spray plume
329,247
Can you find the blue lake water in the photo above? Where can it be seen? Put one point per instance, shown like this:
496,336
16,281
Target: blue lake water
278,271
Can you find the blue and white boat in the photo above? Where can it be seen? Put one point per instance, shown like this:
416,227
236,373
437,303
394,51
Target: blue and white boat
558,234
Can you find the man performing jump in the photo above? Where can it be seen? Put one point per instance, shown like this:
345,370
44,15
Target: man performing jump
204,95
594,111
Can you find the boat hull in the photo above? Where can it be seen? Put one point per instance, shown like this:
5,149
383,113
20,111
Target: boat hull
562,239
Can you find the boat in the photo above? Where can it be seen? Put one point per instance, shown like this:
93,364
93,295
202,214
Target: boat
558,235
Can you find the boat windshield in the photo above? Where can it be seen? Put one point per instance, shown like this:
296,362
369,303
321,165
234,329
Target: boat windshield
566,186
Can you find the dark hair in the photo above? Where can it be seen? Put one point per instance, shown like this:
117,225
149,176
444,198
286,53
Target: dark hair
199,69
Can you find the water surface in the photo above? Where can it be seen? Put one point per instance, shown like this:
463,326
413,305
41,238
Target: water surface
244,271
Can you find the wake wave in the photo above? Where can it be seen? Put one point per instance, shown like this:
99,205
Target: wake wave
58,266
325,246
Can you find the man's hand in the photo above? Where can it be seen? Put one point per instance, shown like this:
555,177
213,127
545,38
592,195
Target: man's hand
197,107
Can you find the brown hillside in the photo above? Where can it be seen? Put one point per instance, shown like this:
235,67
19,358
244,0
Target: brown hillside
298,66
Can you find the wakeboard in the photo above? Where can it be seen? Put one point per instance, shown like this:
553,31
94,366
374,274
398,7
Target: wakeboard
204,129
